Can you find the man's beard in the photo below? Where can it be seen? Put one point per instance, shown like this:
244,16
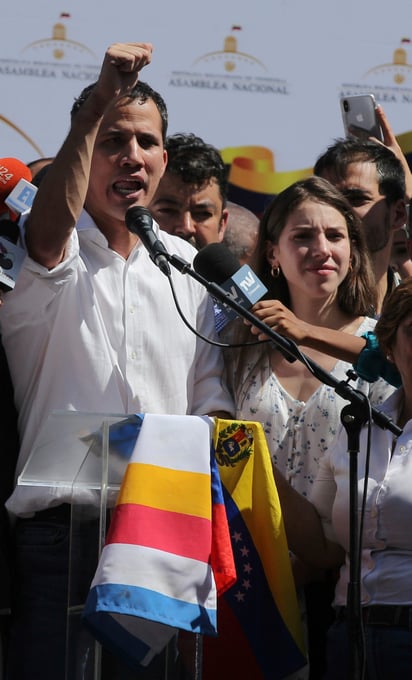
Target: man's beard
377,240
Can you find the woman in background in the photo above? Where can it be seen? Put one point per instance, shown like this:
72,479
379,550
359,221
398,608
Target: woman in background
312,258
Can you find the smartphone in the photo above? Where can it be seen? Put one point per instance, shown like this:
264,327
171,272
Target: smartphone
359,116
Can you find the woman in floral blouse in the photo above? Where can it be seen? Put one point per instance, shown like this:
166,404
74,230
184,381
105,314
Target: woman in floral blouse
312,258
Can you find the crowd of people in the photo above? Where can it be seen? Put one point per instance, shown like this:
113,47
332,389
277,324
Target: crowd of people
90,326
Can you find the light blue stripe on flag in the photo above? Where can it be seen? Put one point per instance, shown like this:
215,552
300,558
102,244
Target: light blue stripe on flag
141,602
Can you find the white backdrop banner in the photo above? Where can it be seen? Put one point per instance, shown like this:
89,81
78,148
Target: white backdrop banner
261,81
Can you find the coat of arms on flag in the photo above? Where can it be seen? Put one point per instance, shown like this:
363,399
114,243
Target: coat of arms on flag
259,627
234,443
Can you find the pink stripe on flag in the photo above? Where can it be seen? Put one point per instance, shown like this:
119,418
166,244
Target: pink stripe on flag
172,532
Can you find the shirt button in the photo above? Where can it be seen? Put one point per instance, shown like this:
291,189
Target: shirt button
133,355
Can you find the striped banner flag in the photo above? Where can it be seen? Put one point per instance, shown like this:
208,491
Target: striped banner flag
168,549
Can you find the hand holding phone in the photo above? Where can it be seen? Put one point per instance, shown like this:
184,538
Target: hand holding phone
359,117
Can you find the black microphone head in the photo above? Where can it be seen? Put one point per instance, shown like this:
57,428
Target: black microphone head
215,262
9,230
140,222
137,217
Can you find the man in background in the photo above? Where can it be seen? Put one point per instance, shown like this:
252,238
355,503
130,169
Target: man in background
372,178
401,253
190,201
241,232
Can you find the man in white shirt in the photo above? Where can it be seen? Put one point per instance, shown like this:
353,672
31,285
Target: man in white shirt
91,324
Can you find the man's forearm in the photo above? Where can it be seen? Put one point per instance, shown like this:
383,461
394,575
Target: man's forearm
62,193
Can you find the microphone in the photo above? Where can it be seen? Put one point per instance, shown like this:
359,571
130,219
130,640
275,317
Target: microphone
215,262
11,254
16,196
12,173
9,229
140,222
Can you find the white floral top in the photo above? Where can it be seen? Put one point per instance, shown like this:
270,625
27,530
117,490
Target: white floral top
299,433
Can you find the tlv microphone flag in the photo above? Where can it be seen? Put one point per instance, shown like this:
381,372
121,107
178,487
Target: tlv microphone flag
260,633
215,262
168,550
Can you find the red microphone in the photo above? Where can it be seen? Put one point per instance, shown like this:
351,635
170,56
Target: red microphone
11,172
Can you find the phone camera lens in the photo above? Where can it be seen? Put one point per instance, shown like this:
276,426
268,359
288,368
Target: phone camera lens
345,105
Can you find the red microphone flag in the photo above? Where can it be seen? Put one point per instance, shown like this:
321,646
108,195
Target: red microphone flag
11,172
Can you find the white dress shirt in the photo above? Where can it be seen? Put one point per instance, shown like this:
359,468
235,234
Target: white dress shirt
99,333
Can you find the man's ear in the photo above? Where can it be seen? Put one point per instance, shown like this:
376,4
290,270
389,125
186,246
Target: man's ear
164,162
223,223
399,214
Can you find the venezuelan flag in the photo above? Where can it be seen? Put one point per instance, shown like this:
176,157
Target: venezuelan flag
155,574
259,629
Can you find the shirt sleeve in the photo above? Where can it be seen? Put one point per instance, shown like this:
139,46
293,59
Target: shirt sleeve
211,393
64,268
323,495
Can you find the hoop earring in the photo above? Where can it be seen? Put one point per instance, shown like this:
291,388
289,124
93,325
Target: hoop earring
275,272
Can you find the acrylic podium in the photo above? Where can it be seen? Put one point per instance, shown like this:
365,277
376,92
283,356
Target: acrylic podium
90,475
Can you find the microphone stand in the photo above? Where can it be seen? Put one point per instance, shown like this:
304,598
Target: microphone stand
353,417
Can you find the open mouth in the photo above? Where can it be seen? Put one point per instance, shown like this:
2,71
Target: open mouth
127,187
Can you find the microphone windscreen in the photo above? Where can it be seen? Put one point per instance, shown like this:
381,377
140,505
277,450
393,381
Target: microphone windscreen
215,262
11,172
137,217
9,230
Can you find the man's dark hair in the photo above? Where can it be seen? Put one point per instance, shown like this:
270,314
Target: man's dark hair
141,91
195,162
389,170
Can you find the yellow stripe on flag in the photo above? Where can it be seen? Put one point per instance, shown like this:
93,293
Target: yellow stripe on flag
167,489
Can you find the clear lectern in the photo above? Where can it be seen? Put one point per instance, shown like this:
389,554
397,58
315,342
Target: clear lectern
88,473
